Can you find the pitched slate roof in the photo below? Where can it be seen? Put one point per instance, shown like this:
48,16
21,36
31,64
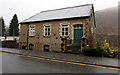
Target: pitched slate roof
63,13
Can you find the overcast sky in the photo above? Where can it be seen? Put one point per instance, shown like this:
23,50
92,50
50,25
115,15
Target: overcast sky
26,8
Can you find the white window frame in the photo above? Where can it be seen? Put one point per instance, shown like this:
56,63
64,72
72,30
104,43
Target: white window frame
47,30
64,31
31,30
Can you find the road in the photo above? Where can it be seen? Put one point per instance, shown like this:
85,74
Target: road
20,64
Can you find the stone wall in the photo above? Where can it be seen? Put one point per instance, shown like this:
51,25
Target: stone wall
10,44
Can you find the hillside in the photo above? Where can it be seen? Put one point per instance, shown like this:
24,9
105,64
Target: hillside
107,21
107,26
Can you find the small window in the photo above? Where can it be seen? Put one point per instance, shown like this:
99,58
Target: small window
47,31
32,30
65,30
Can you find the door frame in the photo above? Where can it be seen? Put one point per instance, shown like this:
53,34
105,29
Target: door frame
76,28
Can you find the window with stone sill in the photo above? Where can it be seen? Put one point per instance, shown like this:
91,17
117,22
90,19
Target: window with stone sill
47,30
64,29
32,30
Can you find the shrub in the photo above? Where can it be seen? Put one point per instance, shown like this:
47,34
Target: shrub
107,51
110,52
92,52
101,52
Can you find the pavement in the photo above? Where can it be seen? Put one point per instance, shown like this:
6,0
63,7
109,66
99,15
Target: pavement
112,62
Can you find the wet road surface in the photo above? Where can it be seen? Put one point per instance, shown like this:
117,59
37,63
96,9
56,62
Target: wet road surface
67,56
19,64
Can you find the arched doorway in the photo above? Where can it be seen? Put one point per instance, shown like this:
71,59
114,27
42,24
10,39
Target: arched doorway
31,47
46,48
78,33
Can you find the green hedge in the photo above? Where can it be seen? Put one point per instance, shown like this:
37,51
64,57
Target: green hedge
101,52
112,53
92,52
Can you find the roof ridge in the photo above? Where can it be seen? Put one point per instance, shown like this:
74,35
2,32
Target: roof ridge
66,8
32,16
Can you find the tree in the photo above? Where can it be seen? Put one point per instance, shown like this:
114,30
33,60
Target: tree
2,26
13,28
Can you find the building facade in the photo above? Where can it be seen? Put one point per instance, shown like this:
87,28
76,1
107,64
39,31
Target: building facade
46,30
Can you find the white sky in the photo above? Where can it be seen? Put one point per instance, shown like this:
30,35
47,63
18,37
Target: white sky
26,8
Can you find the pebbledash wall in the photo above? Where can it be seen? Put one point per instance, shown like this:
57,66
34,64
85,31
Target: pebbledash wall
39,40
